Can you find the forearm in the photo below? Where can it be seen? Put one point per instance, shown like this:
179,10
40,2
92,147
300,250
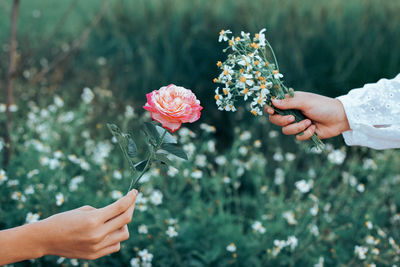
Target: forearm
22,243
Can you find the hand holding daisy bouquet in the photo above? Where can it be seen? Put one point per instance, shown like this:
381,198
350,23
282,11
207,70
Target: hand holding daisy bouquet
249,73
171,106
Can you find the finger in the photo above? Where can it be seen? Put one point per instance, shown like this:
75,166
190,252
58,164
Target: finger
269,110
281,120
86,208
296,128
298,101
120,221
105,251
307,133
118,207
117,236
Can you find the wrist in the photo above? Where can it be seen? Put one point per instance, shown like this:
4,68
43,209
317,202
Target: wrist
343,121
37,233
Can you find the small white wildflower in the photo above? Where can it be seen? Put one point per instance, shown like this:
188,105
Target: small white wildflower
369,225
245,136
117,174
279,176
32,173
201,160
361,188
145,255
3,176
220,160
337,157
231,247
156,197
87,95
320,262
135,262
59,199
292,242
226,180
223,35
142,229
258,227
172,171
171,232
290,217
303,186
277,156
243,150
32,217
361,252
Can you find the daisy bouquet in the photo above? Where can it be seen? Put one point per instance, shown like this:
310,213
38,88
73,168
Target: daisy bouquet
170,106
249,73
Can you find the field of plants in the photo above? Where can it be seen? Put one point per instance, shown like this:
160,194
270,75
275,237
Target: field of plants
248,195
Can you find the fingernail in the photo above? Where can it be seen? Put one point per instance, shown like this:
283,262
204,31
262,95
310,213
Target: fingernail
135,192
291,118
308,122
270,110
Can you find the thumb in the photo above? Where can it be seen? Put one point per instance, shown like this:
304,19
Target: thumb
295,102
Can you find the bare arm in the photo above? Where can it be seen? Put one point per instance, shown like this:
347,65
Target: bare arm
85,233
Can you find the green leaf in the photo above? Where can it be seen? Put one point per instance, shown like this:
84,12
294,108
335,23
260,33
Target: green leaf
168,138
141,165
173,149
132,148
152,131
163,158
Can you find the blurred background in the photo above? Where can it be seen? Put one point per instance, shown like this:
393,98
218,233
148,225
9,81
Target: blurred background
120,50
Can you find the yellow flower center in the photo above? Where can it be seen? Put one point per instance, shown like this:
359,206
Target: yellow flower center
219,63
237,39
226,72
221,32
275,72
245,91
254,45
215,80
241,70
257,35
225,91
262,86
230,42
254,112
256,62
242,79
266,64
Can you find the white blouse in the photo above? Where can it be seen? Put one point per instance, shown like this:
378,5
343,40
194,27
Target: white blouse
373,113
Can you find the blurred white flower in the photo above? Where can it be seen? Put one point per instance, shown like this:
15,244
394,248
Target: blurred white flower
156,197
231,247
29,190
73,185
116,194
13,183
32,217
145,255
142,229
361,252
171,232
292,242
18,196
257,143
226,180
220,160
279,176
290,156
3,176
314,210
337,156
290,217
117,174
211,146
201,160
361,188
172,171
258,227
197,174
129,112
135,262
189,149
245,136
303,186
278,156
207,128
243,150
32,173
369,225
59,199
58,101
314,230
87,95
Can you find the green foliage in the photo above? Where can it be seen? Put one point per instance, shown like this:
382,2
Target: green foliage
278,207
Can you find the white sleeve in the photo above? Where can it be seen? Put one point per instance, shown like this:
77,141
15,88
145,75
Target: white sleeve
373,113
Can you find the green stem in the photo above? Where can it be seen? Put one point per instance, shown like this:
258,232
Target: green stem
149,161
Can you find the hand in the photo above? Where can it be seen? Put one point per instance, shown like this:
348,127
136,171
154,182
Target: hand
326,116
86,232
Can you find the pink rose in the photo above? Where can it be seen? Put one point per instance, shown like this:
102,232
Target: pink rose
173,105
